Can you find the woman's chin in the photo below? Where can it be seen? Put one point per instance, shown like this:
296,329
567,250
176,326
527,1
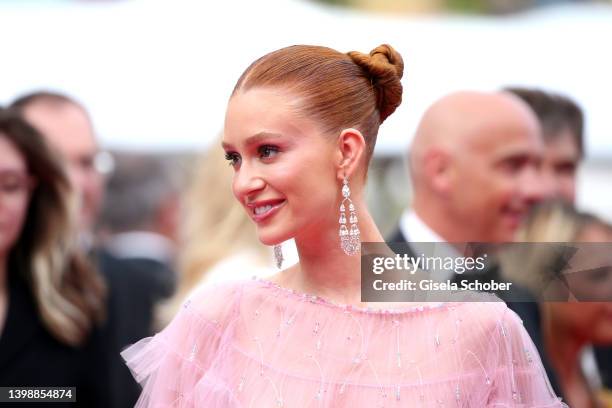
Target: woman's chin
273,239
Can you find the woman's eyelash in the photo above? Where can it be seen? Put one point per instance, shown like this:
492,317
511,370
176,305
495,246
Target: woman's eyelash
267,151
264,151
232,158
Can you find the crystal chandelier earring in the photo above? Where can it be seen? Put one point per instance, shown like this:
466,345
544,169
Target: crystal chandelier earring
349,236
278,255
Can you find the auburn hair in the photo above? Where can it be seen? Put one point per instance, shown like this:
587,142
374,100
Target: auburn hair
339,91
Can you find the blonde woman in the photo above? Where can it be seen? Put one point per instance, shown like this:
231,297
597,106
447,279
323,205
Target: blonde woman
570,328
51,302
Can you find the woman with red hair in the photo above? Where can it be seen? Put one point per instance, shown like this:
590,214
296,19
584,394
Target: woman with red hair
300,130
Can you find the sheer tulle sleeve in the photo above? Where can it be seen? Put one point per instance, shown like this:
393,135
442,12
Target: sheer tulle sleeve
169,364
519,379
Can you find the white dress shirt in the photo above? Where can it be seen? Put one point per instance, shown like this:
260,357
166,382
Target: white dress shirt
419,235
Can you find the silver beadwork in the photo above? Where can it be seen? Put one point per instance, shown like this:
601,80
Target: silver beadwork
278,256
350,238
528,355
194,350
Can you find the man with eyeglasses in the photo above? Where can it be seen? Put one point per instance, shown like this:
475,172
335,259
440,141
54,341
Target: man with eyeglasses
68,128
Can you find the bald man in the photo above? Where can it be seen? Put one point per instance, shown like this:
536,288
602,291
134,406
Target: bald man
474,165
475,168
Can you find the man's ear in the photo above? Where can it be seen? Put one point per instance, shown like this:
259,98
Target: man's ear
438,170
351,151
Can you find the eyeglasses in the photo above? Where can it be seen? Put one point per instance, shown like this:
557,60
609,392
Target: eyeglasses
101,163
104,162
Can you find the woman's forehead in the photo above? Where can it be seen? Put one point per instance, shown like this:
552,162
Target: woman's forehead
264,113
10,156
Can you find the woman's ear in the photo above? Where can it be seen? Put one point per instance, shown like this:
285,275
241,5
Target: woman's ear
351,152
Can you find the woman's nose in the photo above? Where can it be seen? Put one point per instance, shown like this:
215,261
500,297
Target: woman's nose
247,181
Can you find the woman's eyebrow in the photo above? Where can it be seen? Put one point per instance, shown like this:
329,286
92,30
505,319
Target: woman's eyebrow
256,138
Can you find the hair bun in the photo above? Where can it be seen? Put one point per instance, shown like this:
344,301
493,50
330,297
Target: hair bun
385,67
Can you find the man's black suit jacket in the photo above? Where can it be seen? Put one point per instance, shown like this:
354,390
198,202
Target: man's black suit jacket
135,286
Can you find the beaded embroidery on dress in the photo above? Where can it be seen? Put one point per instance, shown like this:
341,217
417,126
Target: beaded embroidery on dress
255,344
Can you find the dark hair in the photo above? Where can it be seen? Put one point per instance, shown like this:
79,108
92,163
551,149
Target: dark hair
555,112
338,90
69,294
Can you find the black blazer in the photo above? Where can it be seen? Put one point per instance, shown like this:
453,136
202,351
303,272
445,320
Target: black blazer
528,311
135,287
31,356
603,355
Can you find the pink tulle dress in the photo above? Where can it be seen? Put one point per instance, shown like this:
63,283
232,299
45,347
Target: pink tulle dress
255,344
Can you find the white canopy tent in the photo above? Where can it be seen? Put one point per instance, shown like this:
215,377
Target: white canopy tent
157,74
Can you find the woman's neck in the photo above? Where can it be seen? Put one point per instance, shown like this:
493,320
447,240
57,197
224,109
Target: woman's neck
563,349
325,269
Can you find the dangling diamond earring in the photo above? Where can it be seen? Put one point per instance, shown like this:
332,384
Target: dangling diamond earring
278,255
349,236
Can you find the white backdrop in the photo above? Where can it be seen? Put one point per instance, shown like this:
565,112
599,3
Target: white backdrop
156,74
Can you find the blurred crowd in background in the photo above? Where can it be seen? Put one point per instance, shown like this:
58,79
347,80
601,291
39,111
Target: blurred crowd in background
99,247
496,7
